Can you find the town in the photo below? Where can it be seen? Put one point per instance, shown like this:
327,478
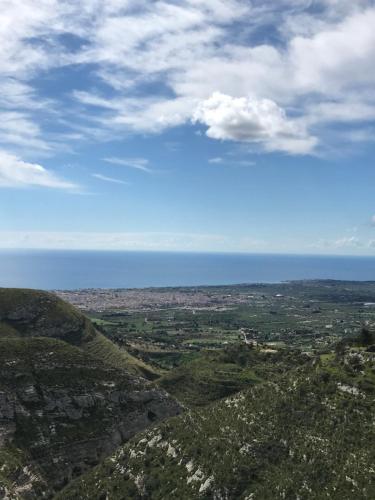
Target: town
165,327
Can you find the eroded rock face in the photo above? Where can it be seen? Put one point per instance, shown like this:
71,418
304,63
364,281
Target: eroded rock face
69,411
62,410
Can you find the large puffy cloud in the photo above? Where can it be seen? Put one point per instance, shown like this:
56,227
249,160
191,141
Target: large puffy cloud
251,120
15,172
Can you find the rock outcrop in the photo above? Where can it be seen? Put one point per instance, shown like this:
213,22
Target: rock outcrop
62,410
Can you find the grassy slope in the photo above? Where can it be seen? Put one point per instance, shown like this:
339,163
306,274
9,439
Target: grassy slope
38,313
44,361
110,353
7,331
218,374
30,313
28,357
308,436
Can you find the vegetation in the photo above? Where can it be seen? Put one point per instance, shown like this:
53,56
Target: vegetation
308,435
310,316
68,396
26,313
216,374
278,393
102,348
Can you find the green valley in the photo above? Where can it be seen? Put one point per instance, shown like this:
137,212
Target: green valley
244,392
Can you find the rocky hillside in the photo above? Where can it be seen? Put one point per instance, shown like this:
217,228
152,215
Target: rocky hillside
29,313
64,405
307,435
216,374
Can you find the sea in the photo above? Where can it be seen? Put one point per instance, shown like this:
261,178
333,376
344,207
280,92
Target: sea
68,270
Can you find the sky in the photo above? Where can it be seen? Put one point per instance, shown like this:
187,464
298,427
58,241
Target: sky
190,125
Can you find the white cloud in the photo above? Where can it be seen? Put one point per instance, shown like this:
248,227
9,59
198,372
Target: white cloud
137,163
348,242
168,241
109,179
19,129
18,94
231,162
194,67
251,120
191,49
142,114
15,172
338,57
111,241
178,241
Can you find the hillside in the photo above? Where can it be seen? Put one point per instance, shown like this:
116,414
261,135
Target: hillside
77,421
29,313
215,374
309,435
63,407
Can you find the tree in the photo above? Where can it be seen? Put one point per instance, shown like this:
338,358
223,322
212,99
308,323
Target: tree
366,337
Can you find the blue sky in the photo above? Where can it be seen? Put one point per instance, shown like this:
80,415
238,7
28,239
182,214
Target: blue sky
223,125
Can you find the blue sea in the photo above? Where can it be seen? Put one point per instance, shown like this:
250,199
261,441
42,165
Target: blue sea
91,269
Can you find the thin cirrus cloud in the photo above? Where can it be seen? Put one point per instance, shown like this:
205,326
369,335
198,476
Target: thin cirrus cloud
15,172
20,130
113,180
218,160
137,163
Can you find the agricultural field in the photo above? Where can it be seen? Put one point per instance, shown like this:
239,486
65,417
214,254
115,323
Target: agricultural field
168,326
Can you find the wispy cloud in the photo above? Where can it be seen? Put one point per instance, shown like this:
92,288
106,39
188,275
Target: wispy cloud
19,129
137,163
231,162
348,242
216,160
190,48
279,94
109,179
15,172
110,241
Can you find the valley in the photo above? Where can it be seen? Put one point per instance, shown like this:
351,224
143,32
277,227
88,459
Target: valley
251,392
166,327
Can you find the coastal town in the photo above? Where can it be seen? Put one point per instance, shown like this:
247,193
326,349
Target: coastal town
159,324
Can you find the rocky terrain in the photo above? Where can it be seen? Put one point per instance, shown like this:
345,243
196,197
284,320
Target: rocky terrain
307,435
67,399
81,418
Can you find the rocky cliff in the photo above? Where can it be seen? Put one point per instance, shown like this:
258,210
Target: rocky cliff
307,435
62,409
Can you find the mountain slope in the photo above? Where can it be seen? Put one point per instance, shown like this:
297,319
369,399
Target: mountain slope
62,409
28,313
103,348
216,374
308,436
